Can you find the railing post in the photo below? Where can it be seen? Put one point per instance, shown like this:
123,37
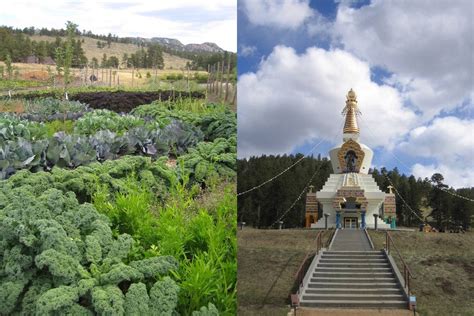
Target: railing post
405,274
408,283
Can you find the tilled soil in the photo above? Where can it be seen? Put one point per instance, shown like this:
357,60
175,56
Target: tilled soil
120,101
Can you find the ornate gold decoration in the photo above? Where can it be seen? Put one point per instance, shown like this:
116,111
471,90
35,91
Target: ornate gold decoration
354,146
344,193
351,111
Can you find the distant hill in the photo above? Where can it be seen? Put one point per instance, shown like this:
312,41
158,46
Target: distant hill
175,44
117,49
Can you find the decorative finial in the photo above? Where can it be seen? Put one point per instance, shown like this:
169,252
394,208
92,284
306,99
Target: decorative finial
390,188
351,96
351,111
311,187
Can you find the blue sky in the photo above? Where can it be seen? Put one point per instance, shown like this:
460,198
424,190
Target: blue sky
413,77
189,21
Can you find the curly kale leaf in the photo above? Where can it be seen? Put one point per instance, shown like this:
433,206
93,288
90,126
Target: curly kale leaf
155,266
56,299
108,300
120,248
164,297
66,268
209,310
9,294
93,249
120,272
137,300
15,262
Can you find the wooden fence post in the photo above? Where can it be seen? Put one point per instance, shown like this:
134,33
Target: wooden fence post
227,81
222,80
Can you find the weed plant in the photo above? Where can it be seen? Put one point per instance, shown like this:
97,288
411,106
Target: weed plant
201,239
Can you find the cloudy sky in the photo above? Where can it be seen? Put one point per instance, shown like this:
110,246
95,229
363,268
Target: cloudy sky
410,63
190,21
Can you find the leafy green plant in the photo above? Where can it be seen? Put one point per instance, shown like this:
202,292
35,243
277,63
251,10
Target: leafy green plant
99,120
218,124
59,126
12,128
65,260
50,107
203,241
208,159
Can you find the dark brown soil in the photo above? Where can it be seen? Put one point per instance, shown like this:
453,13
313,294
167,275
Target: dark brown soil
120,101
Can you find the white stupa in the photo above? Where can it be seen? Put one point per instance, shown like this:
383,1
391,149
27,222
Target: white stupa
350,197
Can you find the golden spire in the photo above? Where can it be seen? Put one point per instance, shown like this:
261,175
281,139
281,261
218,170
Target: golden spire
351,111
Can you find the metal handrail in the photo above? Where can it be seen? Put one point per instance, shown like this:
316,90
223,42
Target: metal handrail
331,236
299,276
407,274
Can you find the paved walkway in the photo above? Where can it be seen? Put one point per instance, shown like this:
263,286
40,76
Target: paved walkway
351,240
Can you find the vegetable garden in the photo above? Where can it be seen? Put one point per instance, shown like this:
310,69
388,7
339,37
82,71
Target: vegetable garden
106,213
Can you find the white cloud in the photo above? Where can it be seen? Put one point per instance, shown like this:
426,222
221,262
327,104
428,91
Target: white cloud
453,176
450,141
246,51
208,21
283,14
293,98
428,45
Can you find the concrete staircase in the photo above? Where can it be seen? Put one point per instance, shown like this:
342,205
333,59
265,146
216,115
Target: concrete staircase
351,275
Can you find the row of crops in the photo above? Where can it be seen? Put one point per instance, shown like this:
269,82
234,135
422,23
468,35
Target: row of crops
105,213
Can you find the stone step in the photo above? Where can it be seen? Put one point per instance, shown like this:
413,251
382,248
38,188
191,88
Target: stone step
354,304
333,269
353,280
379,290
354,297
352,260
354,264
371,256
353,285
351,274
347,252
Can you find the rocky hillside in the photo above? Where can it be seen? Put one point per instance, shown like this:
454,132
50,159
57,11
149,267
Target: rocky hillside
175,44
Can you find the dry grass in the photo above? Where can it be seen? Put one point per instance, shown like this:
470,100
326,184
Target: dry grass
14,106
116,49
443,265
38,72
267,263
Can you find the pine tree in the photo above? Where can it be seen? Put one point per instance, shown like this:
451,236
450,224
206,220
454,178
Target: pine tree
8,64
103,63
69,51
439,201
